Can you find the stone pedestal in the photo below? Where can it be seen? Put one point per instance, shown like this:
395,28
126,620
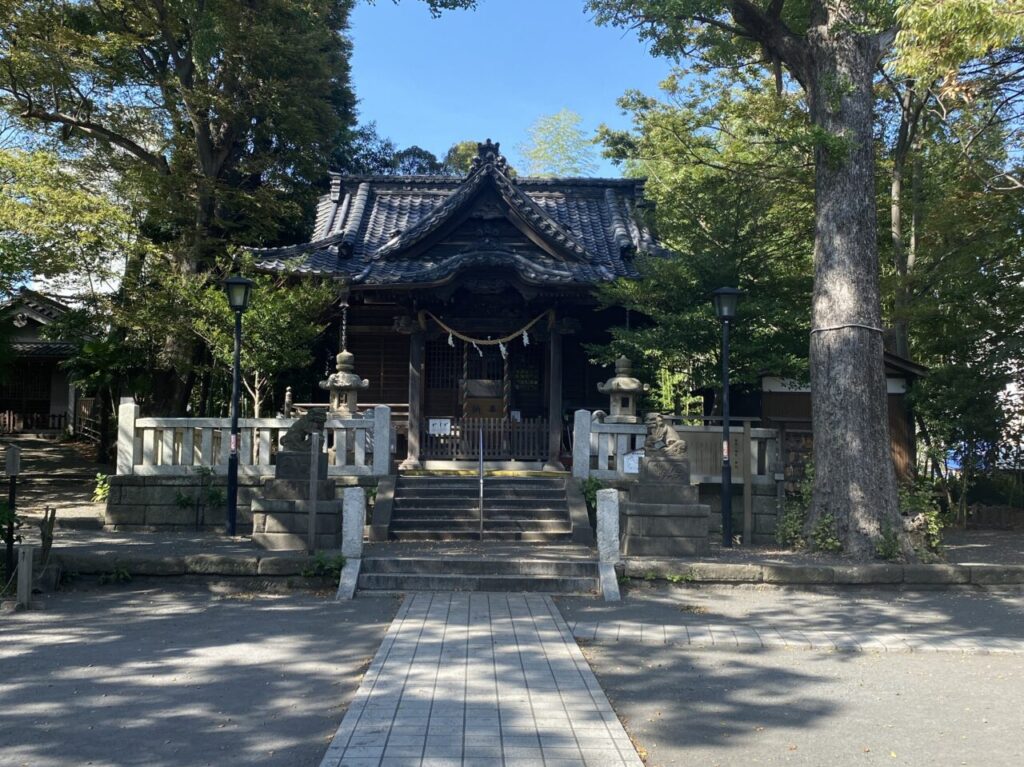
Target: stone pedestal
281,516
298,464
662,517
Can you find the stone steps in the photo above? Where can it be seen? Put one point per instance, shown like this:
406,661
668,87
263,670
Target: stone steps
491,525
481,573
489,535
446,508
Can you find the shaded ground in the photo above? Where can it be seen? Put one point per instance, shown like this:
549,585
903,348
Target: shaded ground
852,609
714,707
972,547
146,676
57,474
702,706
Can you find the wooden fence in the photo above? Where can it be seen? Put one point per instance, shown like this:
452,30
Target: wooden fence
13,422
525,440
180,446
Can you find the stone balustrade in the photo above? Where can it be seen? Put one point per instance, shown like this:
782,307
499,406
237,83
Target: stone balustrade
172,447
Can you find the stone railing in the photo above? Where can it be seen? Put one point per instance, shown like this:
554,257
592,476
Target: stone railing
602,450
180,446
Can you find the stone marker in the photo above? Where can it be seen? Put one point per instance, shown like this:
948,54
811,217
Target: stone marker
608,542
353,519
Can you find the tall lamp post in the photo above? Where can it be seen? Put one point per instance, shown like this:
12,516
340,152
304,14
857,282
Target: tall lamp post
725,300
238,290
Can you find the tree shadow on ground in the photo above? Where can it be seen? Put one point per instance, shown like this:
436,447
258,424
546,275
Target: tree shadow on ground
130,676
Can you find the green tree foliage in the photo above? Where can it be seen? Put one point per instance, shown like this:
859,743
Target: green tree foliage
730,177
459,158
832,50
225,111
558,146
54,222
371,154
937,36
278,328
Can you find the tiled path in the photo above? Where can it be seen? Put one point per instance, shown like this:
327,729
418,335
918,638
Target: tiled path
749,636
480,679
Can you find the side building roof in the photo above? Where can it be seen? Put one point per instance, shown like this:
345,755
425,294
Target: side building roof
397,230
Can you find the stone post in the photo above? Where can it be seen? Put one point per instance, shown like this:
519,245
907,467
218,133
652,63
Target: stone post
608,542
353,518
314,487
127,414
381,441
581,444
352,523
25,577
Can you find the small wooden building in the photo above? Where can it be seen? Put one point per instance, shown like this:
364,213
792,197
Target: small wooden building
468,302
35,393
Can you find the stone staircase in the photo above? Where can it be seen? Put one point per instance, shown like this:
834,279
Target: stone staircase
531,509
399,567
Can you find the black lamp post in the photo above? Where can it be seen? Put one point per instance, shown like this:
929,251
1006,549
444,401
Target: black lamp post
725,300
238,290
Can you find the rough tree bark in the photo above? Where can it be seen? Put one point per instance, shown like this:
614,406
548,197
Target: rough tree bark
855,481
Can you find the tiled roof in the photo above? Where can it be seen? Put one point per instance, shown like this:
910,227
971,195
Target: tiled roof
382,230
43,308
42,348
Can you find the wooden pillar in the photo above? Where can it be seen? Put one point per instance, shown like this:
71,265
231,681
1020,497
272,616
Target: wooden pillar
554,401
417,343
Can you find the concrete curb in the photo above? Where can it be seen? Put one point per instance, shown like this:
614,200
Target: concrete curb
276,564
641,568
870,574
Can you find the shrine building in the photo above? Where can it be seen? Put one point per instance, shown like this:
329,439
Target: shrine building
468,302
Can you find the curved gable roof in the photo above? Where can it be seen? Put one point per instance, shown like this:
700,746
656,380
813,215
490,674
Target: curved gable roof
381,230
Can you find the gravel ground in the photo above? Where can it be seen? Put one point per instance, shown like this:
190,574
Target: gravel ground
135,675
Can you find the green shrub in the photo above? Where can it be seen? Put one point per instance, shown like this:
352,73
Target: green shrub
888,544
101,492
918,497
789,528
825,535
322,567
117,575
589,488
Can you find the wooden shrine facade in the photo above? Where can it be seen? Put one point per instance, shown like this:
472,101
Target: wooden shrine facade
468,302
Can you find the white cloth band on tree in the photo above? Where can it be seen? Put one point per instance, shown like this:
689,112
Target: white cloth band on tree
847,325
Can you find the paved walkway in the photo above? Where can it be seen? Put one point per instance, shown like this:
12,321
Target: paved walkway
747,636
480,679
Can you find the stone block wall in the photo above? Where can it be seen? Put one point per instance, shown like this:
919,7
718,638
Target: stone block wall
167,504
765,508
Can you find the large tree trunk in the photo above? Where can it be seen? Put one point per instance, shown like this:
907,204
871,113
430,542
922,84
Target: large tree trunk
855,481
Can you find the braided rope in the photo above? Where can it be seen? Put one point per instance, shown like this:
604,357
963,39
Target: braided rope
488,341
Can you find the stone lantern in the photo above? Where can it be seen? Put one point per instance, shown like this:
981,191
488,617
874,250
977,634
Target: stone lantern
623,390
344,385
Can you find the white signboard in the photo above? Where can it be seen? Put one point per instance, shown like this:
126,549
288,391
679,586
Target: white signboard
440,427
631,462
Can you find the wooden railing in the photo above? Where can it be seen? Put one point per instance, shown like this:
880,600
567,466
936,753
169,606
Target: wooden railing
181,446
525,440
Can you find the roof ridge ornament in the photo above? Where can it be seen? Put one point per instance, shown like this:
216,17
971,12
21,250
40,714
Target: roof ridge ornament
488,153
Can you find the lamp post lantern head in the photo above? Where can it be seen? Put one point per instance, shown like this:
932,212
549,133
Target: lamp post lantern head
239,290
725,300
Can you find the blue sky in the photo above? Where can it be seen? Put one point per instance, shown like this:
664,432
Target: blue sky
491,72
